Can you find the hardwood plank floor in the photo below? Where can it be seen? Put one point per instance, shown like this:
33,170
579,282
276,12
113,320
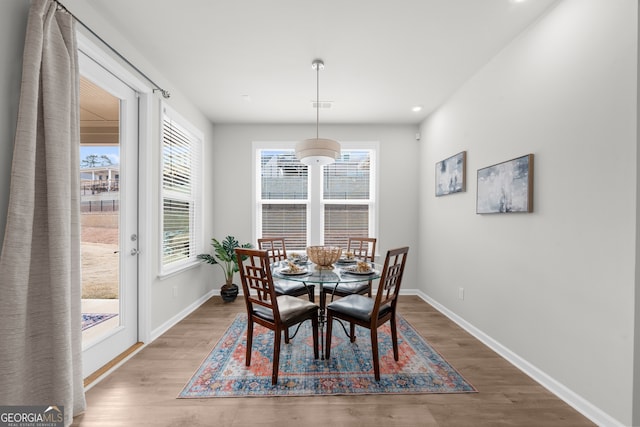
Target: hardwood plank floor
143,391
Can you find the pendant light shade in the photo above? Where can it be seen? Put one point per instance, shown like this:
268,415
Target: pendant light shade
317,151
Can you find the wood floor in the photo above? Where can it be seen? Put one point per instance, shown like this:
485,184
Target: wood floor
143,391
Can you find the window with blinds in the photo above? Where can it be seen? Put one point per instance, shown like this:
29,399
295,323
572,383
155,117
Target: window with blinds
343,203
283,200
347,197
344,221
288,221
181,214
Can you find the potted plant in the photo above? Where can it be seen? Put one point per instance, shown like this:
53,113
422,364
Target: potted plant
224,255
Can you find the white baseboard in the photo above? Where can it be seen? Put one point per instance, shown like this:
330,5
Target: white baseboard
573,399
181,315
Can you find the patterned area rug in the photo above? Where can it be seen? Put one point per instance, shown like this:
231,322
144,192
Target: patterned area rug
92,319
349,371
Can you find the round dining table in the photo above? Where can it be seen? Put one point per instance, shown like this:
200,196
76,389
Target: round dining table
342,272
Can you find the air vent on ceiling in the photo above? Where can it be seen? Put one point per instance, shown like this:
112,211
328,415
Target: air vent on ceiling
321,104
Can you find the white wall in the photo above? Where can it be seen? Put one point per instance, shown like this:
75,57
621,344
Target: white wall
397,175
556,286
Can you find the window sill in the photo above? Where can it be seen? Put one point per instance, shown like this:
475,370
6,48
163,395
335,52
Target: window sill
178,270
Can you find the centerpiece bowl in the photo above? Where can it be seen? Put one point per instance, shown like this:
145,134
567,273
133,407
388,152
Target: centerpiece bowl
324,256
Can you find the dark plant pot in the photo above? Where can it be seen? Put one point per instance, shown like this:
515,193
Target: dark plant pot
229,293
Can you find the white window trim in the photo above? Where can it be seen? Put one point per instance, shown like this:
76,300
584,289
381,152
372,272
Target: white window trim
197,233
316,181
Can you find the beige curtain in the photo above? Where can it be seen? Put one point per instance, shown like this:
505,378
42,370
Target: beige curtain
40,288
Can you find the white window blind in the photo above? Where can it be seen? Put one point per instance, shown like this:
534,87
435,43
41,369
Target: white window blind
344,196
283,197
347,197
181,197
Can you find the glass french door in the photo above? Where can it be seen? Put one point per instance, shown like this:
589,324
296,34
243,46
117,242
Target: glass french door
109,214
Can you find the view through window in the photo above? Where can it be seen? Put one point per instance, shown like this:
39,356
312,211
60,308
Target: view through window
286,197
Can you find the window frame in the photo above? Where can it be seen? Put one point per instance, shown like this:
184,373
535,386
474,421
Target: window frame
315,198
194,198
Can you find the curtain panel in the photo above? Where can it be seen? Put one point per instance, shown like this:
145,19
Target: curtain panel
40,285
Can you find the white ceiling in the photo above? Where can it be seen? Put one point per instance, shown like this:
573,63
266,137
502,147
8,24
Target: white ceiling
249,61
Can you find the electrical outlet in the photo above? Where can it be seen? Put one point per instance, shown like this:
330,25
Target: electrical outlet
460,293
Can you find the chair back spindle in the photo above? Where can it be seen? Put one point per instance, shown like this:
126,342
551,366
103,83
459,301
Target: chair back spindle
275,247
362,247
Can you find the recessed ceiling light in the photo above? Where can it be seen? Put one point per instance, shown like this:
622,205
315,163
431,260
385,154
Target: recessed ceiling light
517,1
417,108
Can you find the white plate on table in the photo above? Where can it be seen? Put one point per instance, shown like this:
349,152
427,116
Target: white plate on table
288,272
354,270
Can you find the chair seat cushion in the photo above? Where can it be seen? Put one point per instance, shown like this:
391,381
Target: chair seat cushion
346,288
288,287
290,307
357,306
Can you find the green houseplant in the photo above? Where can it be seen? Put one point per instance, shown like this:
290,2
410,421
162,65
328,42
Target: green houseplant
224,255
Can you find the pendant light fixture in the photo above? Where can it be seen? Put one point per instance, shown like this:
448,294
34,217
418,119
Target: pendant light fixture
317,151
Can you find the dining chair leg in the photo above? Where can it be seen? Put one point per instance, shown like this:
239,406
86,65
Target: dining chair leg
374,350
327,347
394,337
276,355
286,335
352,332
249,342
314,325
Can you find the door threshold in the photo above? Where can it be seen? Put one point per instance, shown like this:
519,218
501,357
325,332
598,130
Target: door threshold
104,369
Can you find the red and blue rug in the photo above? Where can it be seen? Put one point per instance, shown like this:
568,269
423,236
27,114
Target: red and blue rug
420,369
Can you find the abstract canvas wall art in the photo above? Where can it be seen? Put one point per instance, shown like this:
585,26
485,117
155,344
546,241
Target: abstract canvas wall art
451,174
506,187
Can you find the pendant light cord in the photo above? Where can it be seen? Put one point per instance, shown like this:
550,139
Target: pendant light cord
317,152
317,100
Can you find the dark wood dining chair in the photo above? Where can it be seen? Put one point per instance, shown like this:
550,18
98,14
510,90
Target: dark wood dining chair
371,313
265,308
363,248
278,252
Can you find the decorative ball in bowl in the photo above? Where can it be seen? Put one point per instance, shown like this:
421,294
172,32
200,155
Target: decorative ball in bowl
324,256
